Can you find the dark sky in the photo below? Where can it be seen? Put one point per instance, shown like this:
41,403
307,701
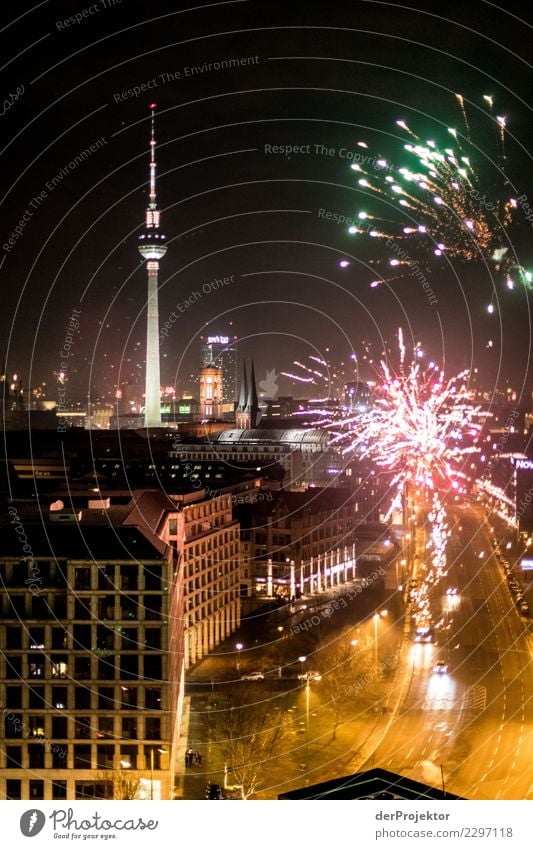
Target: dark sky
327,74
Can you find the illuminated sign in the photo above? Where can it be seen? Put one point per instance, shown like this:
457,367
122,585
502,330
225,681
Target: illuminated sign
526,564
524,464
217,340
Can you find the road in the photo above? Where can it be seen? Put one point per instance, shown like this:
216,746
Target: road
471,728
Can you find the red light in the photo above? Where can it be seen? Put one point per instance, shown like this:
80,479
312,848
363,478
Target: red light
153,106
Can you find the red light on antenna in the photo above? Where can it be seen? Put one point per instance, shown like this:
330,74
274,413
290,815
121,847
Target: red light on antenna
153,106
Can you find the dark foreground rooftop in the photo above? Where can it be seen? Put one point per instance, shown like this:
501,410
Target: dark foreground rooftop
373,784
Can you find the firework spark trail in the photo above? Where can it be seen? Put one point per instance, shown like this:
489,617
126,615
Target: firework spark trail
414,427
443,205
418,430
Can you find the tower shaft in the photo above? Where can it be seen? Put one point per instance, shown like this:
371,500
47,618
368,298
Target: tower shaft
152,248
152,407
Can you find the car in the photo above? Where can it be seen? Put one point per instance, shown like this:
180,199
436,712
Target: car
312,675
440,668
451,591
423,634
253,676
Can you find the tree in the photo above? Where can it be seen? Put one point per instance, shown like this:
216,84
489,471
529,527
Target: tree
248,734
120,784
346,671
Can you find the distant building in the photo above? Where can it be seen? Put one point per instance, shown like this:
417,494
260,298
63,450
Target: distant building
293,537
210,392
11,401
357,396
218,351
305,455
247,410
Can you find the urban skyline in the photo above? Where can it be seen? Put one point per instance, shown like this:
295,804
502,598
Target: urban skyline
267,405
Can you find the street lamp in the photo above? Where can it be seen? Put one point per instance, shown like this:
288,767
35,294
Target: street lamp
377,617
162,751
307,693
239,647
302,660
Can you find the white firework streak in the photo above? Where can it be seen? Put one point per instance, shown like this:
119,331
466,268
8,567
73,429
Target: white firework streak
415,426
416,430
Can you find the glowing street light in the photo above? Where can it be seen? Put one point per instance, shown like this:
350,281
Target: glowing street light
239,647
377,617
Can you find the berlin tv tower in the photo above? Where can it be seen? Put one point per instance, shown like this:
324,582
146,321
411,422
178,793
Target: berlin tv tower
152,248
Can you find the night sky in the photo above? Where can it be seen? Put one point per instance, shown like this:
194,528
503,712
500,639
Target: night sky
321,76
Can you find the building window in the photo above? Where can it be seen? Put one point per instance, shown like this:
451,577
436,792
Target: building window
82,726
106,668
128,576
152,578
128,757
82,608
172,527
129,666
36,638
105,638
152,698
152,638
59,698
59,606
36,756
13,726
106,607
36,727
129,639
105,757
106,577
82,578
152,607
14,697
82,668
152,728
82,637
105,727
36,789
82,757
82,698
128,697
152,667
36,666
90,790
59,638
59,756
13,788
59,727
14,667
13,757
59,790
129,607
106,700
13,638
129,727
59,666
